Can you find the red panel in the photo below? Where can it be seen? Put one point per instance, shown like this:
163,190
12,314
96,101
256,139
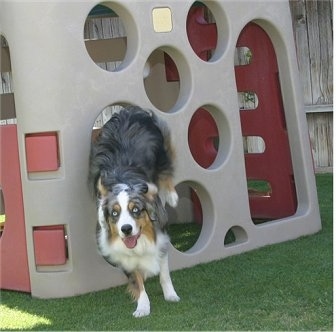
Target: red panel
268,122
49,245
42,152
14,270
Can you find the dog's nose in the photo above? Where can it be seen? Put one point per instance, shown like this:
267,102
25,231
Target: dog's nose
126,229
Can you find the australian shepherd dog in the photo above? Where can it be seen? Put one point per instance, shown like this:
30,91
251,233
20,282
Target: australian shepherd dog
131,173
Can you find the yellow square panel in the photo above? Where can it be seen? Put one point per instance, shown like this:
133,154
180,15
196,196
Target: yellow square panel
162,19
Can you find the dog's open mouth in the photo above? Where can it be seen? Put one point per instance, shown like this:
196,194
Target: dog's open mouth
131,241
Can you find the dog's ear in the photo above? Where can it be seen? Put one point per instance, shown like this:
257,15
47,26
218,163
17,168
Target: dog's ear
157,212
148,189
152,191
102,191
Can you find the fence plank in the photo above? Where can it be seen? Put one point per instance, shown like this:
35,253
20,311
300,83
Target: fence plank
320,127
326,51
315,55
314,49
299,19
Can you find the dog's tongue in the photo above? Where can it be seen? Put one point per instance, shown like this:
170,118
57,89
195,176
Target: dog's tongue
131,241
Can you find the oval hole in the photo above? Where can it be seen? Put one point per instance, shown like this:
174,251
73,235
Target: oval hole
185,221
254,144
203,138
105,37
202,30
248,100
161,80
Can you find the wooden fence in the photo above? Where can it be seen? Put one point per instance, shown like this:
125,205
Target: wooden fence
312,26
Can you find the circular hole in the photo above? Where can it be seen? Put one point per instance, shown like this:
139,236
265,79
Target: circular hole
207,130
162,79
185,221
105,36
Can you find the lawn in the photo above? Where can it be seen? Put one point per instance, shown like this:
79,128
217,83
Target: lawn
286,286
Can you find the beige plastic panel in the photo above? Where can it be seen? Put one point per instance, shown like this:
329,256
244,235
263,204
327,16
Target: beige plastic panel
58,88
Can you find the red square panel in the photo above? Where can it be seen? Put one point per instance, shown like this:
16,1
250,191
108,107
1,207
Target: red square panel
42,152
50,245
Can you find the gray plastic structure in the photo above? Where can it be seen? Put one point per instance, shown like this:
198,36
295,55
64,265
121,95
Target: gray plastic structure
60,91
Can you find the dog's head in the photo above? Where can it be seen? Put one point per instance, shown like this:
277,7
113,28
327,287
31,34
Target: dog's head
131,210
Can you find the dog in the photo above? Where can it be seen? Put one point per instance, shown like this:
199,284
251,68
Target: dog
131,174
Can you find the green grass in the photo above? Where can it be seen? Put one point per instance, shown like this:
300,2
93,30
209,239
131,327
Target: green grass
286,286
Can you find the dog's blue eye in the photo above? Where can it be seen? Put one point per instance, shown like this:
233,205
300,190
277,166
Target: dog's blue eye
136,211
115,213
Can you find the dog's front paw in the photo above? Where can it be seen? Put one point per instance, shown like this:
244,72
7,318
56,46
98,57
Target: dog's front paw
172,298
143,307
172,198
141,312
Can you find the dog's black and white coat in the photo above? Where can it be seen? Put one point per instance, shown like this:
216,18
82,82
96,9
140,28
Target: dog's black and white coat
131,171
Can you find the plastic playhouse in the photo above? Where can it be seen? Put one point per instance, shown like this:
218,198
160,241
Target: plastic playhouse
222,73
